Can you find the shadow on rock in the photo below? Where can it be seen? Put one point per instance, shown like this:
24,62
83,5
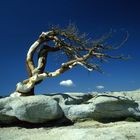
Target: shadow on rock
54,123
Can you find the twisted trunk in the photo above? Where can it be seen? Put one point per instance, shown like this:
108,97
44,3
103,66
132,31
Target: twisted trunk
36,73
26,87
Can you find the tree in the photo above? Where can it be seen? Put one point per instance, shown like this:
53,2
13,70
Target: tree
78,49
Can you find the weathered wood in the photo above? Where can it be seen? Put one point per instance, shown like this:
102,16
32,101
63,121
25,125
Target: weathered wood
71,44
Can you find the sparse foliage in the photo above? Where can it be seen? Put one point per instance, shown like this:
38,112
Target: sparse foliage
78,48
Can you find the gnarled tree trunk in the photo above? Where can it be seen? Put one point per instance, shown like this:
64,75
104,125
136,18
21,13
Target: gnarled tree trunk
72,49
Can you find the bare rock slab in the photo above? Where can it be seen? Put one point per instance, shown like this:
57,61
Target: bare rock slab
34,109
70,106
105,108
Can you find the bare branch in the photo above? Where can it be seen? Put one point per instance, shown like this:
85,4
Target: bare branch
78,48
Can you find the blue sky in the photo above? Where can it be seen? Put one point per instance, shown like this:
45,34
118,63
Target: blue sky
21,22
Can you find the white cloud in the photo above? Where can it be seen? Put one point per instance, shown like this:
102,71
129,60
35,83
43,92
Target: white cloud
67,83
100,87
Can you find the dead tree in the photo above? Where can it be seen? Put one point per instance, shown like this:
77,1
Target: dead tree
78,49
